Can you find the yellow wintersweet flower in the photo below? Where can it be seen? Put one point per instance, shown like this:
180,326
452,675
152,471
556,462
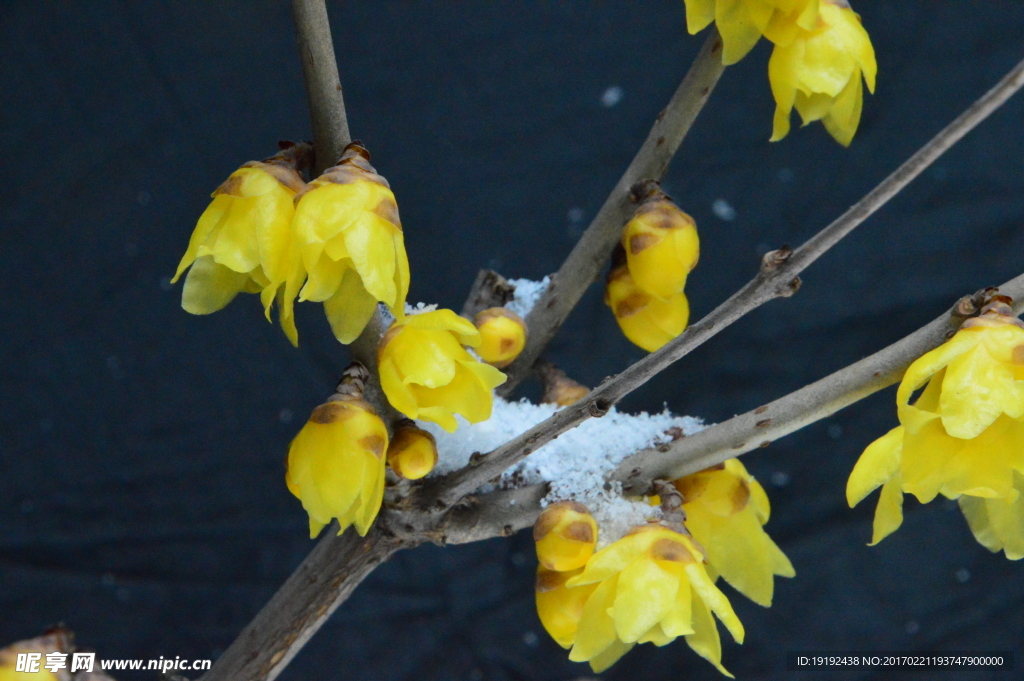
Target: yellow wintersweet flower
819,72
427,374
726,509
559,607
336,462
350,238
645,320
566,535
742,22
652,586
661,245
412,453
502,336
963,437
243,240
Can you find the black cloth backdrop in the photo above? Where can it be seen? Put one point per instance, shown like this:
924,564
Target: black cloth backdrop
141,491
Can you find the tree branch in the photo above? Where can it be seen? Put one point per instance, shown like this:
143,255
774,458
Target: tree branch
776,278
495,514
584,263
490,289
323,85
758,428
324,580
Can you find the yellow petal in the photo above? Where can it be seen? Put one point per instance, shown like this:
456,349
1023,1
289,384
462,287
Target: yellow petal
759,500
325,276
613,559
844,116
272,225
782,75
442,416
740,22
597,630
371,245
208,222
338,474
488,376
401,275
736,548
371,498
975,391
780,562
427,358
235,244
699,14
657,636
350,308
975,510
997,524
210,286
645,594
446,320
397,392
315,528
983,466
926,455
705,641
879,462
715,599
678,620
922,370
889,512
610,656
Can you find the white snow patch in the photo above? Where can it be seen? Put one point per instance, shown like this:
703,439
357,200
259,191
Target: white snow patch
420,308
527,293
575,464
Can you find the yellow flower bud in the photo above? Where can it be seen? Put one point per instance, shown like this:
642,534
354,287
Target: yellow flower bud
963,437
243,240
652,586
559,607
819,72
412,453
661,245
726,509
502,336
427,374
350,238
336,462
566,535
645,320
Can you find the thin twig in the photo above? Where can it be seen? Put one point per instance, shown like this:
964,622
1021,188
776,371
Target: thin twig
761,426
583,265
776,278
323,85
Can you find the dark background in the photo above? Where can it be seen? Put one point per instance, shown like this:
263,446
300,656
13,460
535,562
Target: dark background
141,492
